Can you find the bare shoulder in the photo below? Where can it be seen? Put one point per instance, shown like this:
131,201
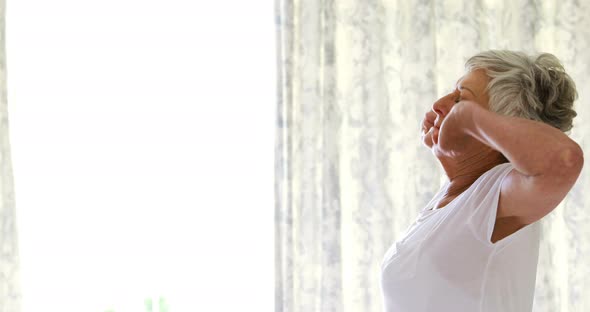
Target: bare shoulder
530,198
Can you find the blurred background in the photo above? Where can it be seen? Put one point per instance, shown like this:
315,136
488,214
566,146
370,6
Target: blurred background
356,78
142,140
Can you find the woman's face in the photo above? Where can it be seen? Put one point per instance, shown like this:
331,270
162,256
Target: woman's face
469,87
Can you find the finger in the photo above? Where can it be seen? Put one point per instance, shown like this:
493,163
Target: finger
427,125
426,131
430,114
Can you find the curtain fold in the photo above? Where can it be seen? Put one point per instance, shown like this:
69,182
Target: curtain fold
355,79
9,260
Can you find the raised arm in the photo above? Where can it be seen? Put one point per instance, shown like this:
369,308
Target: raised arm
547,162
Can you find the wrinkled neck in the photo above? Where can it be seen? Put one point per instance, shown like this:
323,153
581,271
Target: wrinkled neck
463,172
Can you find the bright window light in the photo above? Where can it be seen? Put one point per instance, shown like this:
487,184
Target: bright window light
142,140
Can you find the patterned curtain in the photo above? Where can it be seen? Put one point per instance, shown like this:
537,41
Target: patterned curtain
9,263
355,79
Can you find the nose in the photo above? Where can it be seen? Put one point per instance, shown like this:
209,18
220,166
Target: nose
443,105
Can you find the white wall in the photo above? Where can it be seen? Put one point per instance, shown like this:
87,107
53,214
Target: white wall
142,140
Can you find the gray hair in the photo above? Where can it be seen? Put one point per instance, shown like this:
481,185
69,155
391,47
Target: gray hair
531,87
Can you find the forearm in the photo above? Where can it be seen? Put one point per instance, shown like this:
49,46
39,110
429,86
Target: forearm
532,147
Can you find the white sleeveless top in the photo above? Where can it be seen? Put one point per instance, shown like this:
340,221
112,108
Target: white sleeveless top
446,261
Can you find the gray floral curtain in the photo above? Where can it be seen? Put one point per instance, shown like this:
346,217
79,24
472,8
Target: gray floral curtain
354,81
9,263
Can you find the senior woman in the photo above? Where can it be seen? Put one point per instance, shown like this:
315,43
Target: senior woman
500,138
